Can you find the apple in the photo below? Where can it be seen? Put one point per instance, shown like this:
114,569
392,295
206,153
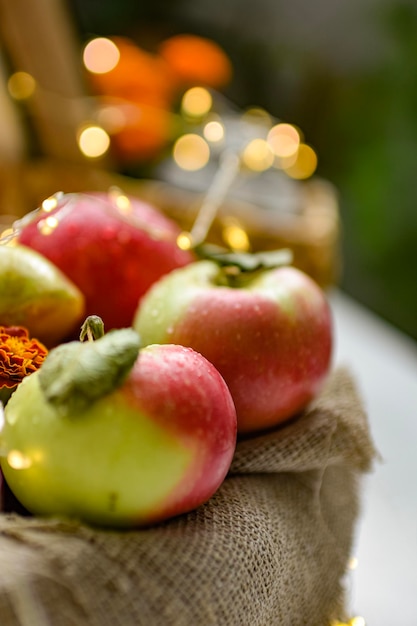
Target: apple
116,437
35,294
113,247
267,331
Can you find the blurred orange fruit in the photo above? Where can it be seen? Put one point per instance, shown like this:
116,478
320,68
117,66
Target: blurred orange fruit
138,75
194,59
145,132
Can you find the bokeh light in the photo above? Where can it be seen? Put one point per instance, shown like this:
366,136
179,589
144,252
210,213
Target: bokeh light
304,165
235,236
121,201
17,460
93,141
213,131
257,115
353,563
196,102
184,241
21,85
112,117
257,155
47,225
49,204
284,140
101,55
191,152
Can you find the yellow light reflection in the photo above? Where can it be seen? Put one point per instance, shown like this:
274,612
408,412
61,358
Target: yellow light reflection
48,225
304,165
93,141
196,102
213,131
21,85
18,461
191,152
235,236
284,140
357,621
258,155
101,55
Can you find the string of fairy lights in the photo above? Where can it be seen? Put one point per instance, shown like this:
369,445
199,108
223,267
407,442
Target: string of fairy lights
279,145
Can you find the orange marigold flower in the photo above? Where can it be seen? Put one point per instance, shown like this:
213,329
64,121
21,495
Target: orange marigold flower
19,355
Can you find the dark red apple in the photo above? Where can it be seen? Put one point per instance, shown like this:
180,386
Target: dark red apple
268,332
111,246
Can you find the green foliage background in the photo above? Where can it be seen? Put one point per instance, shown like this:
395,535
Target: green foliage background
360,115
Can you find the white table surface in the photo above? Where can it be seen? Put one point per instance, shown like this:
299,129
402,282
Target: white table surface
383,587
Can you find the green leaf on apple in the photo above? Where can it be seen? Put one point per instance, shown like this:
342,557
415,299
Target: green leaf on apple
76,374
246,261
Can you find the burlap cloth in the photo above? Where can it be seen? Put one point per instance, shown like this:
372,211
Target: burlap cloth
269,549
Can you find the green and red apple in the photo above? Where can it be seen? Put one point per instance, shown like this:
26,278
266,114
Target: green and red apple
267,331
35,294
118,436
111,246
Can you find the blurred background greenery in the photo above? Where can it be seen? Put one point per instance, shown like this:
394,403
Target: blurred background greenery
346,73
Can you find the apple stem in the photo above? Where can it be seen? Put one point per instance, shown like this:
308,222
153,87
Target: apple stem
92,328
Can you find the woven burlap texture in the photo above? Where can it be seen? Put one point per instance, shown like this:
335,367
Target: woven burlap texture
270,548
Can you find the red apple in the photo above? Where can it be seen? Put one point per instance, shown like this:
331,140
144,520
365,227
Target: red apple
112,247
117,439
268,333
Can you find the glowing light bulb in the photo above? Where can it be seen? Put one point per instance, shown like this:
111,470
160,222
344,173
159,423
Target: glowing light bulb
258,155
93,141
196,102
191,152
21,85
101,55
